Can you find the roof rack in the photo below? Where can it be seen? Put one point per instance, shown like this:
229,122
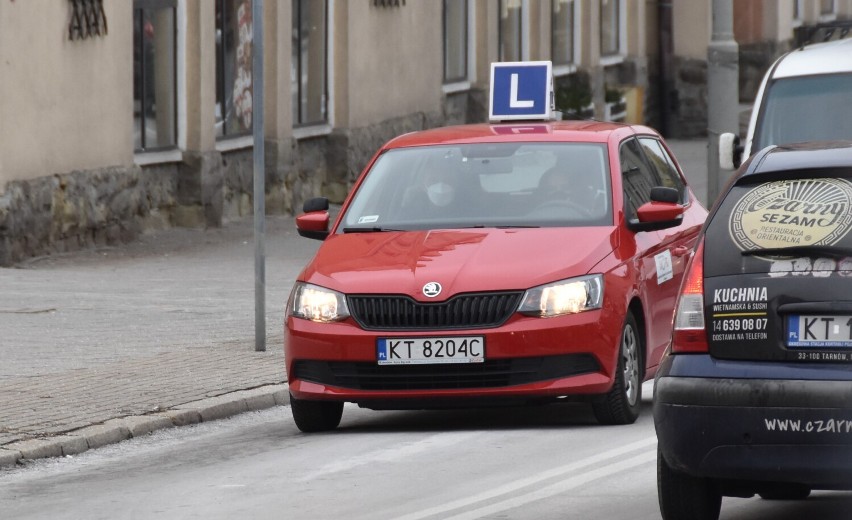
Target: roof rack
822,32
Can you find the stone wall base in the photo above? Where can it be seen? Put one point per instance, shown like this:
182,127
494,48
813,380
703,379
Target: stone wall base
83,209
688,114
104,207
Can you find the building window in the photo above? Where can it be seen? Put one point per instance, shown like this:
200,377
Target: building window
610,27
154,76
827,8
308,64
510,31
234,37
455,41
562,32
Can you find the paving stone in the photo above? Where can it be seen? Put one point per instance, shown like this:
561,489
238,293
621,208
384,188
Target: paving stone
144,424
73,444
182,417
37,448
110,432
9,457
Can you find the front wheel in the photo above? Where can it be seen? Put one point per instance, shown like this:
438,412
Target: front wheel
684,497
316,416
621,404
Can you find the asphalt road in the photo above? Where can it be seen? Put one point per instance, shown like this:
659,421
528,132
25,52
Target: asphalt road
516,463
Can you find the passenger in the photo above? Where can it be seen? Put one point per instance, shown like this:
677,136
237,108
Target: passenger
434,195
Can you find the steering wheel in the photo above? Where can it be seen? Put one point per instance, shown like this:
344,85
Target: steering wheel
563,203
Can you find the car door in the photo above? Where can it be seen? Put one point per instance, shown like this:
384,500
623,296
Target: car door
659,260
675,243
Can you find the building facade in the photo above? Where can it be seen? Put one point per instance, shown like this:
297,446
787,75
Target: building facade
121,116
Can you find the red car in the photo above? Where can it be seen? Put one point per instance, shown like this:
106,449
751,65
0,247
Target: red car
493,264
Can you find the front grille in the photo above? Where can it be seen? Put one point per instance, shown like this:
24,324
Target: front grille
464,311
494,373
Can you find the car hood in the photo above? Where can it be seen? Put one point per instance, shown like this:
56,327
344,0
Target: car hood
402,262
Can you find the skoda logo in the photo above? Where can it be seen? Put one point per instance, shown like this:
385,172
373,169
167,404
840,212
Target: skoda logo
432,289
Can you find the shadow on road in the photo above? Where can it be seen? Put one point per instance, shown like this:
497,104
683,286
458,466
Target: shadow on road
554,415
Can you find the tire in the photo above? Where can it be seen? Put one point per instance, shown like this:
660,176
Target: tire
316,416
684,497
786,492
621,404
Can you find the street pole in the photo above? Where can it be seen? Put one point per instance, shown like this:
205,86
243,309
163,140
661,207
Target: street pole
722,91
259,178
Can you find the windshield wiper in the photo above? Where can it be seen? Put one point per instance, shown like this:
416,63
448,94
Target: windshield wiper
829,251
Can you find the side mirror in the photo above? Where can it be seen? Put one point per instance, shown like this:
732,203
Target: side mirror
314,222
315,204
662,212
730,151
665,194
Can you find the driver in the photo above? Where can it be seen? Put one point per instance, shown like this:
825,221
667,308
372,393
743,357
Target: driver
578,187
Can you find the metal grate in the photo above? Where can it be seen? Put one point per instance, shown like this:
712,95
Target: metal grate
399,312
88,18
495,373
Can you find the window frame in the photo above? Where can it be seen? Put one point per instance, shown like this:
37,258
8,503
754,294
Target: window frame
222,81
618,56
559,68
522,33
317,127
830,14
171,151
798,14
465,41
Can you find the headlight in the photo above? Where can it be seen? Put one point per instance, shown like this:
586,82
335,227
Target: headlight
564,297
315,303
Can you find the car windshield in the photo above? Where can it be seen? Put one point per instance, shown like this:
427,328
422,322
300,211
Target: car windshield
484,185
810,108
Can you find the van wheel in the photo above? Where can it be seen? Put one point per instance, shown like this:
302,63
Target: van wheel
316,416
684,497
786,492
621,404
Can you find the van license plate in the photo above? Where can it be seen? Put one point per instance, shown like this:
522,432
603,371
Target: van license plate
819,331
424,351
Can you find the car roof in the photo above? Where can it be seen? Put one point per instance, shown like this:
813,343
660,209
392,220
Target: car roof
819,58
803,156
537,131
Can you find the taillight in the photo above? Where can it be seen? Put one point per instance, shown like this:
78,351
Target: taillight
690,334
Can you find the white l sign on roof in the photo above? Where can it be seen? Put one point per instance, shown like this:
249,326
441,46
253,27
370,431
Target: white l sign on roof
521,90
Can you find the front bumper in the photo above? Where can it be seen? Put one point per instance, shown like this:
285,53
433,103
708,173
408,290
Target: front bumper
526,359
754,428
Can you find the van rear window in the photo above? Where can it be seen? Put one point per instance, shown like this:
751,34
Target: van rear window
783,225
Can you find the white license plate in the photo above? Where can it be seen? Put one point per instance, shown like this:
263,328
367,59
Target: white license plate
819,331
423,351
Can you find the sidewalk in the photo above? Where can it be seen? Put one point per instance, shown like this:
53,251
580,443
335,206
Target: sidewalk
152,329
101,346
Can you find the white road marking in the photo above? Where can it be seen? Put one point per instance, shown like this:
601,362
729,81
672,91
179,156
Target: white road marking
432,442
572,481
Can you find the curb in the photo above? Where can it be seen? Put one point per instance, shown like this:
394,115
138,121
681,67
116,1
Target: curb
116,430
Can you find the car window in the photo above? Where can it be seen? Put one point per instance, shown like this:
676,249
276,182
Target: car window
663,165
811,211
490,184
809,108
637,177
